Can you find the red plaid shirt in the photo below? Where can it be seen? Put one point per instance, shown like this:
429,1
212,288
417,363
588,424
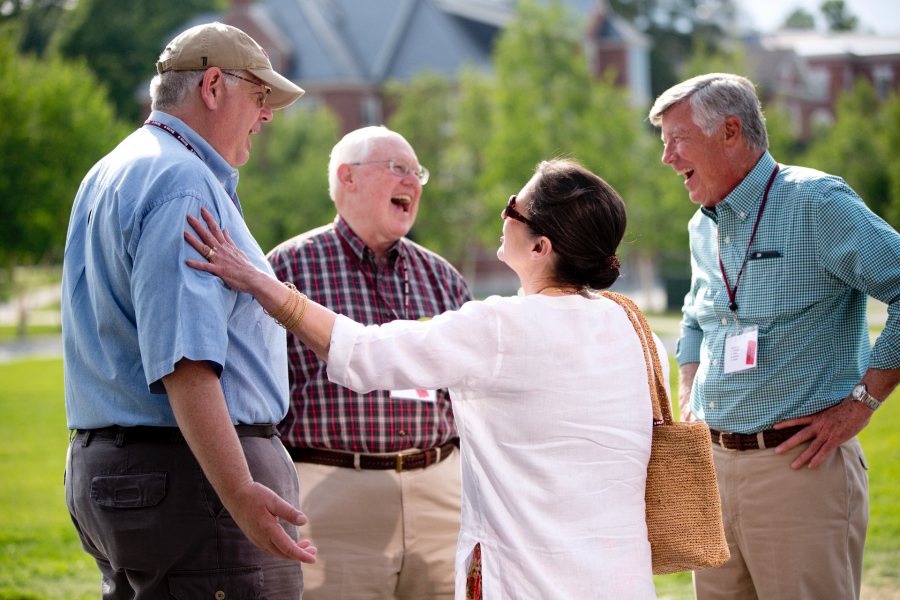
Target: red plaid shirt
333,266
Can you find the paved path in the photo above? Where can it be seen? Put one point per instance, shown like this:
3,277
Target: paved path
34,346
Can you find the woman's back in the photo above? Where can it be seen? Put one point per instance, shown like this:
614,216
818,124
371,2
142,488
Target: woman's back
552,405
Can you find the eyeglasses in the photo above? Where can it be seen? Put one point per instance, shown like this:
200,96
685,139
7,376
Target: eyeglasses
511,212
400,169
262,96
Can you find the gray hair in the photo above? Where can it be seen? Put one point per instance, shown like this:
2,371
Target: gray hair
170,89
713,97
356,147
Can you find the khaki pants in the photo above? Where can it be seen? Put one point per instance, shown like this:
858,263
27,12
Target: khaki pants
793,535
381,534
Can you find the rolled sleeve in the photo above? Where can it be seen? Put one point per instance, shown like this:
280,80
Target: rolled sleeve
343,338
687,348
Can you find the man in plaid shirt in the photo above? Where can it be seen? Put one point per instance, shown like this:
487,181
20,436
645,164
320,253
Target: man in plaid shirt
379,472
774,353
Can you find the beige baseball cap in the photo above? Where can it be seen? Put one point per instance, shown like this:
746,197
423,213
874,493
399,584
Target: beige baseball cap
226,47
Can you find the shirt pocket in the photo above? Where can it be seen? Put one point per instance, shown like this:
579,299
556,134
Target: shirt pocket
761,292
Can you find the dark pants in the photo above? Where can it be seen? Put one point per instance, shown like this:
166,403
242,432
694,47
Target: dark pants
151,520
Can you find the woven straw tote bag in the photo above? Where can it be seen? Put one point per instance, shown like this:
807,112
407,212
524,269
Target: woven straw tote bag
684,514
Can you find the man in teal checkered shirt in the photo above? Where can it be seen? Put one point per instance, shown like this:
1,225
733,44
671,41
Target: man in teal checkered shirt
774,352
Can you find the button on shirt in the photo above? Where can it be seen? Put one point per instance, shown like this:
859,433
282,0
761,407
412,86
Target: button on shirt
333,266
818,252
132,308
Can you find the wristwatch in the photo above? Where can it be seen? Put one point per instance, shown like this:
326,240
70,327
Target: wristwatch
861,394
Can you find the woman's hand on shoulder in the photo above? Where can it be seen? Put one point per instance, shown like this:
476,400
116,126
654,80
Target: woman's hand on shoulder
223,258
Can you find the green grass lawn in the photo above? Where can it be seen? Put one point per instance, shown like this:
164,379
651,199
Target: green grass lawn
41,558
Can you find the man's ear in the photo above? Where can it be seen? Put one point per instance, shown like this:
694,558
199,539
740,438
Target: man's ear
211,87
733,129
345,175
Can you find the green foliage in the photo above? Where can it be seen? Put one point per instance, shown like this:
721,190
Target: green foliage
56,124
675,27
121,45
710,59
547,103
783,143
800,19
891,132
284,187
483,139
856,147
450,210
837,16
31,22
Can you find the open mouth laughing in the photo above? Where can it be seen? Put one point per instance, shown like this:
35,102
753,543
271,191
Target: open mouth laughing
402,202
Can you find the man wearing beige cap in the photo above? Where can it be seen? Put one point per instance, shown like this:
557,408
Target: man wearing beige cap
176,480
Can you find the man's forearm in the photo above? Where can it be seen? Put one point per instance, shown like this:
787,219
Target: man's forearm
199,405
686,373
881,382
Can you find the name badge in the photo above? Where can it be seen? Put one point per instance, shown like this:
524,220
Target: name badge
418,395
740,349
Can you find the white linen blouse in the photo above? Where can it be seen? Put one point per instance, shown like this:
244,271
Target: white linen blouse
552,405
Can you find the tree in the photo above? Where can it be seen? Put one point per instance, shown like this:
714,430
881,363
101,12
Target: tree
428,115
32,22
56,124
837,16
121,43
856,147
676,27
891,112
284,187
800,19
483,140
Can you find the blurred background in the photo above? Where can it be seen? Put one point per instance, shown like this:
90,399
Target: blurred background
484,90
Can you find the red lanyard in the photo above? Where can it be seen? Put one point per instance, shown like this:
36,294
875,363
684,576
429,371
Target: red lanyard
373,284
187,145
732,293
174,134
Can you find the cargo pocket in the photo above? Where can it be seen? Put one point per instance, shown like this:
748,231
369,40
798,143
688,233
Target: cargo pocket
243,583
133,490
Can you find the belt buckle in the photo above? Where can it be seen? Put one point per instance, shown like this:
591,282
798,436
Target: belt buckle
399,466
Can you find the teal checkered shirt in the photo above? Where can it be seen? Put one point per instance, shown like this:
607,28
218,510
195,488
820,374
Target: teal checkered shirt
817,255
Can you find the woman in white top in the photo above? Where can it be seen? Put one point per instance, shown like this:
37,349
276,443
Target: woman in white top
549,391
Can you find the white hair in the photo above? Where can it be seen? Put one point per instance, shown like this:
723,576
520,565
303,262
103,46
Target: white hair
713,97
356,146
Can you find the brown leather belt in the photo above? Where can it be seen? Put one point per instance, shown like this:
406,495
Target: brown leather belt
752,441
400,461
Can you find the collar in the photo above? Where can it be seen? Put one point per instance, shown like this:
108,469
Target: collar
743,201
224,172
362,252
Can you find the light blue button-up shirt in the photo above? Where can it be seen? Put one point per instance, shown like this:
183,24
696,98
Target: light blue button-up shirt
131,306
817,255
